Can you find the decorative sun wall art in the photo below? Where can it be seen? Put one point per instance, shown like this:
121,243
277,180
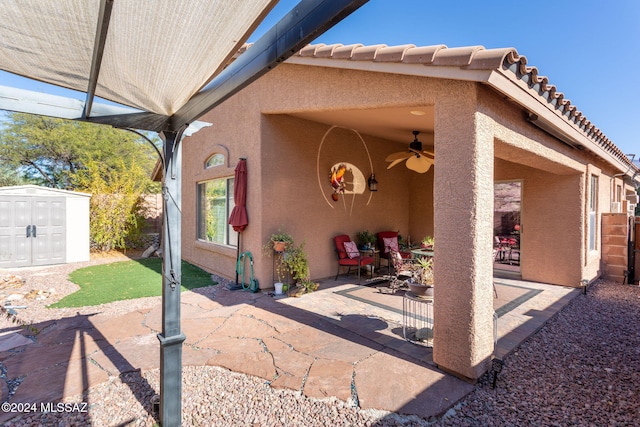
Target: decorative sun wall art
345,179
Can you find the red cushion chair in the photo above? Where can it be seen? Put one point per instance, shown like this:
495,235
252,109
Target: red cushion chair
349,260
385,249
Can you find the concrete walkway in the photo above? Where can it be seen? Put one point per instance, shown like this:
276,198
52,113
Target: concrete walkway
343,340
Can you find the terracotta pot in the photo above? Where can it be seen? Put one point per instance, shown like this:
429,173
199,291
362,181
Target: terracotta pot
279,246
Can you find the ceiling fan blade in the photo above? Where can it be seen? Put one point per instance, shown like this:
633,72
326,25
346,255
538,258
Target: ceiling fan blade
395,162
396,156
423,153
419,164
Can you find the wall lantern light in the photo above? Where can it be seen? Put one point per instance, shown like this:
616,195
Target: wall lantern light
373,183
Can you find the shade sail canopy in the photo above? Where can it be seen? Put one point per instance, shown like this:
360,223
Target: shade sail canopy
156,56
53,41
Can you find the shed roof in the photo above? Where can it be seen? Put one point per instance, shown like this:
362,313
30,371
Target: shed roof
36,190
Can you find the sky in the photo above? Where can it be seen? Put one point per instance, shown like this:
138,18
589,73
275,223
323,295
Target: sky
590,50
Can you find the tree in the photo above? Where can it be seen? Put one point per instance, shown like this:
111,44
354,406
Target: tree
113,165
50,151
10,176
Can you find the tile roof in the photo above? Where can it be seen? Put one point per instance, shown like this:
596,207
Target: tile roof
473,58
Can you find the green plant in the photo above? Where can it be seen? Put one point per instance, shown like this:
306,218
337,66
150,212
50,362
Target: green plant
280,267
116,211
297,262
423,274
427,241
309,285
281,236
365,238
402,243
13,318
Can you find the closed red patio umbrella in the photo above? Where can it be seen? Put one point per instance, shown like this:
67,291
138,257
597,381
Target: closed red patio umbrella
238,218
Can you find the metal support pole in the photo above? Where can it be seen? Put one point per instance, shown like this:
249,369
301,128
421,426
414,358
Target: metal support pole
171,338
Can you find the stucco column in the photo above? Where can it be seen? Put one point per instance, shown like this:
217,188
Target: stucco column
463,268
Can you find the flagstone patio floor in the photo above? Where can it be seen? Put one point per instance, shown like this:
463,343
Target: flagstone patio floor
343,340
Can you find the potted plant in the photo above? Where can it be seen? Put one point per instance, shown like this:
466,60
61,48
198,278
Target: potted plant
427,242
403,244
421,282
296,262
366,239
277,245
278,242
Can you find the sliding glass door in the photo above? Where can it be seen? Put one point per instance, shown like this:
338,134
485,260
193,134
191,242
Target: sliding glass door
506,225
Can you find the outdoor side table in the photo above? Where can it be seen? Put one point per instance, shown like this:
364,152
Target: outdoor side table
375,254
417,319
422,253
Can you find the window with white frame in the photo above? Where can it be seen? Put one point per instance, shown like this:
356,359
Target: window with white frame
215,202
593,207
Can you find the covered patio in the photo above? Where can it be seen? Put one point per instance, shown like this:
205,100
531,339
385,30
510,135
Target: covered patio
487,118
521,309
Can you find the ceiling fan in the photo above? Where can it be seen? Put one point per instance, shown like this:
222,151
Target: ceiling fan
417,159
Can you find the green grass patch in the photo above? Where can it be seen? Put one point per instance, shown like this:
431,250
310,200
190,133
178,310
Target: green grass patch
101,284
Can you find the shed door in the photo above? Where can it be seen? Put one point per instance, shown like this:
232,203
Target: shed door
48,241
32,231
15,216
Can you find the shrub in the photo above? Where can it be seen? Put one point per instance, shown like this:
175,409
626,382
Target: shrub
116,208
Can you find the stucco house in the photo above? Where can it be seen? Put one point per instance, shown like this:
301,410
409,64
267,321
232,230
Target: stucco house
487,117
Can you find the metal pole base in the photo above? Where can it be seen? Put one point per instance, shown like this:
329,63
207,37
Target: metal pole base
171,381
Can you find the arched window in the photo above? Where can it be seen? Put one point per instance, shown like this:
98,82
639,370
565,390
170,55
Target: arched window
215,160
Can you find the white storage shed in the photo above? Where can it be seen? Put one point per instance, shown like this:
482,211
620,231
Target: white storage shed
43,226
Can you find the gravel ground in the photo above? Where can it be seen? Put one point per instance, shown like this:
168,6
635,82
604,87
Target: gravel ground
581,369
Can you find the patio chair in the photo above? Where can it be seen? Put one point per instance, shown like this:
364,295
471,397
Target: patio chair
349,255
514,256
388,242
500,250
403,270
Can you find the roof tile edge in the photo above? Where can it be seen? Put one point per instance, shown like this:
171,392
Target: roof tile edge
557,101
393,53
367,53
346,52
471,58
